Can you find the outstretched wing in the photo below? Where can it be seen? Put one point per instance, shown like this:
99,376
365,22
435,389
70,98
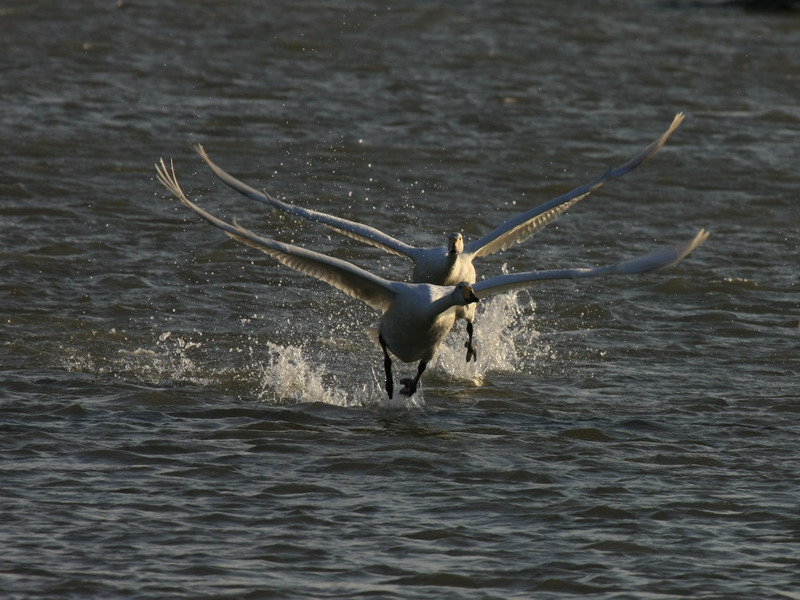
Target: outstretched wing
642,264
350,279
357,231
521,227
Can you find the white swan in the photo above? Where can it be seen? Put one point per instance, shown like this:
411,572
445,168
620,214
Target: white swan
416,316
452,263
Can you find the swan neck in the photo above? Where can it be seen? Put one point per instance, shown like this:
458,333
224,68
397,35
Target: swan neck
444,303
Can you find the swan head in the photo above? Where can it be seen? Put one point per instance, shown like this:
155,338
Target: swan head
464,294
455,243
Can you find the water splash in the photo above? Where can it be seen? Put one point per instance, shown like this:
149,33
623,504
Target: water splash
170,359
504,332
322,371
289,373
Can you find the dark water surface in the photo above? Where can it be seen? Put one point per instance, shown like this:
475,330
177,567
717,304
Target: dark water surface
181,417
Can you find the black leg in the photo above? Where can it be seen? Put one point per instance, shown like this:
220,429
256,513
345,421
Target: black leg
472,352
420,371
387,365
410,385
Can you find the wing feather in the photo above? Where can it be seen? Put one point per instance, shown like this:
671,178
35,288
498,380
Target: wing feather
649,262
521,227
358,231
350,279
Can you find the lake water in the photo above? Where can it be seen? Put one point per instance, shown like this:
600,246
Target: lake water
182,417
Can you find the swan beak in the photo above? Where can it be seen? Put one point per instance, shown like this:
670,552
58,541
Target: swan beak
455,244
469,295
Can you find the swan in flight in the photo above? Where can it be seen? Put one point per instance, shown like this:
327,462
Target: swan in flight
416,316
452,263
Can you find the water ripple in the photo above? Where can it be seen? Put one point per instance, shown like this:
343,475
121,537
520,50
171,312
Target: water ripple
183,418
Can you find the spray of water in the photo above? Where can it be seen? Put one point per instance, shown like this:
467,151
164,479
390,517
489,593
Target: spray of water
287,375
170,360
506,340
504,324
322,370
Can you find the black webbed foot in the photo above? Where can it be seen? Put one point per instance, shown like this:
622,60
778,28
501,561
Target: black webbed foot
409,386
